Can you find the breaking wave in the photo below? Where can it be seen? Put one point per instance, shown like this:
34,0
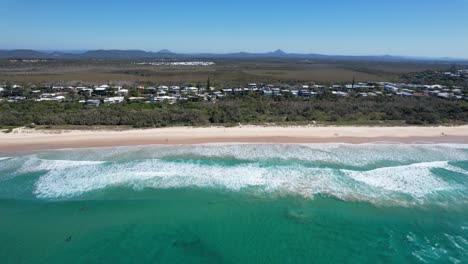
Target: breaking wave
380,174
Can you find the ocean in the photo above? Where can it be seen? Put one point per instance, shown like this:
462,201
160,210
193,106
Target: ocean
236,203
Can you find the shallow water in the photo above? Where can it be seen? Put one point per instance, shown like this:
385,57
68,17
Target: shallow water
237,203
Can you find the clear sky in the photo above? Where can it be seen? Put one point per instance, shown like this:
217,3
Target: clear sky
434,28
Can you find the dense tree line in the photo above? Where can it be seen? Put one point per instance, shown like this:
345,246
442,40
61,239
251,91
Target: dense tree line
242,109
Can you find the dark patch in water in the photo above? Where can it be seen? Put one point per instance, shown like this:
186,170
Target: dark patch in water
298,216
186,244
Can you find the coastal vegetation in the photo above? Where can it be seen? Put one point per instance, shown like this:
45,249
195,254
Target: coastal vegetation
247,109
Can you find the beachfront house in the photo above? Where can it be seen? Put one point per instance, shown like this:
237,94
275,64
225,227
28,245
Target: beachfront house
85,91
252,85
192,89
174,90
100,91
92,103
114,100
227,91
151,90
391,88
122,92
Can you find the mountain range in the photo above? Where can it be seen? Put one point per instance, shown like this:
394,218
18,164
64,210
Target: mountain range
167,54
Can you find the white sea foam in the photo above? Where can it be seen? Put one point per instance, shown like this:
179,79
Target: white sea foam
398,173
415,179
379,186
4,158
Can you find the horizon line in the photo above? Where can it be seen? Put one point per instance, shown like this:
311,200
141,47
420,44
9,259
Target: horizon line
232,52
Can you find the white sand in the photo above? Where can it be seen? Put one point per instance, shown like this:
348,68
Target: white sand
31,139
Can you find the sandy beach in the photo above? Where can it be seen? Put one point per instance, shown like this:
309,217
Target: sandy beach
23,139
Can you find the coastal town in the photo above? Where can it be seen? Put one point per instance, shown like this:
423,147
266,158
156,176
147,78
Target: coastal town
97,94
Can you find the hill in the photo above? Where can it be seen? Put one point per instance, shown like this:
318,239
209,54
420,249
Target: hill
167,54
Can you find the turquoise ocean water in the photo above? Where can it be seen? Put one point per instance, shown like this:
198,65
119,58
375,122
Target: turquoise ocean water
236,203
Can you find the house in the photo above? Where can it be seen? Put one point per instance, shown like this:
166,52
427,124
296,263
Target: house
267,93
218,94
160,99
115,99
192,89
100,91
305,93
238,90
86,91
57,88
391,88
94,103
47,95
59,98
151,90
276,91
15,99
443,95
133,99
122,92
174,89
338,93
336,87
227,91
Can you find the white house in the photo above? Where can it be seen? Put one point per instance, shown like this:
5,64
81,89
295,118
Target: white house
122,92
391,88
115,99
192,89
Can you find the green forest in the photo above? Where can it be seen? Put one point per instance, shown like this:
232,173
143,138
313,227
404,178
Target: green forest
250,109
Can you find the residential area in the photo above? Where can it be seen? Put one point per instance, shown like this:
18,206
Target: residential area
108,94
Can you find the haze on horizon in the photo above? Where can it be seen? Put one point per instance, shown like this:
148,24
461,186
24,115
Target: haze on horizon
363,27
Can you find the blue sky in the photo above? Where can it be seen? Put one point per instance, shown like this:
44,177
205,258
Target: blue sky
434,28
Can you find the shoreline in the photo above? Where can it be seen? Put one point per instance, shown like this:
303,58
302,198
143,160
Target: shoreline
27,140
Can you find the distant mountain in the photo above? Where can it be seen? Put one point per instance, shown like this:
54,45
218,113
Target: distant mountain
22,53
167,54
279,53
